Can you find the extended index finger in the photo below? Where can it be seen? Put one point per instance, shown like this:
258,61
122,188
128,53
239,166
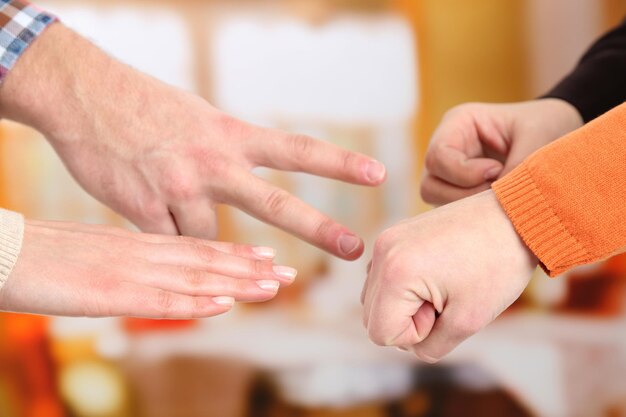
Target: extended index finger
276,206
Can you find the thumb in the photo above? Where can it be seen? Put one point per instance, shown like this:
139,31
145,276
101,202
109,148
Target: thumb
424,320
394,321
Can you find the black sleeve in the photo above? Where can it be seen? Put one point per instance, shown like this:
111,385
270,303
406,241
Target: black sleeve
598,83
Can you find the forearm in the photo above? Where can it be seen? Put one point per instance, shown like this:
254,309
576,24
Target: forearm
567,199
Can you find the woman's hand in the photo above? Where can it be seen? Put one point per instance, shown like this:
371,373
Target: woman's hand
73,269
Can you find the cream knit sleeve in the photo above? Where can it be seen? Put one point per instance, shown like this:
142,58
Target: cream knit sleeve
11,236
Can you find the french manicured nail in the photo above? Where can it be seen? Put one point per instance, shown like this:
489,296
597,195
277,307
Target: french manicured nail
492,173
224,301
268,285
375,171
264,252
348,243
285,272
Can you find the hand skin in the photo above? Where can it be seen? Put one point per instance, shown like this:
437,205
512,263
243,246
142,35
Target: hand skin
463,260
164,158
73,269
477,143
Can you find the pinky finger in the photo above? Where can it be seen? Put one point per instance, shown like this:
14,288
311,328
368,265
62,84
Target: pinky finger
147,302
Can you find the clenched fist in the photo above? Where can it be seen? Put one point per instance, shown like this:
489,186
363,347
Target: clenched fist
464,261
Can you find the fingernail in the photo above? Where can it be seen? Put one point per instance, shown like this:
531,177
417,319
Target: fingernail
492,173
348,243
264,252
285,272
268,285
401,349
224,301
375,171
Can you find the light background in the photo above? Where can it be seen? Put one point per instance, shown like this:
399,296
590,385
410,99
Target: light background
374,76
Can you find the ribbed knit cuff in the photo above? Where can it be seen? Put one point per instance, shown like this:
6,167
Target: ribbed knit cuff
537,224
11,236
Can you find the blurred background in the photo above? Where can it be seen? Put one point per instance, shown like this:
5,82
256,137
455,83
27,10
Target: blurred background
370,75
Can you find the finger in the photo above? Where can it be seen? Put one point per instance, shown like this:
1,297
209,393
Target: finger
292,152
197,282
212,260
437,192
161,223
365,284
241,250
457,168
391,318
196,219
424,319
443,338
279,208
520,150
131,299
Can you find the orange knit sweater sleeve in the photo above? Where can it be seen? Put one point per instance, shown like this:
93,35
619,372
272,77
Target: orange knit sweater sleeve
567,201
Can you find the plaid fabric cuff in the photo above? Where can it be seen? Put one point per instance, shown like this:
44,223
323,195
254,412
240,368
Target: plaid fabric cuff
20,24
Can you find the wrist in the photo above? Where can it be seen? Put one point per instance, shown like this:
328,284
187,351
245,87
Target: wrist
62,94
503,229
561,117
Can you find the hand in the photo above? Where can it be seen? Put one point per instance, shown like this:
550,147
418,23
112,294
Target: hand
478,143
164,158
463,260
79,270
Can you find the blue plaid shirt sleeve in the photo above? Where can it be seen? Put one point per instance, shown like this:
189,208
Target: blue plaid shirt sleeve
20,24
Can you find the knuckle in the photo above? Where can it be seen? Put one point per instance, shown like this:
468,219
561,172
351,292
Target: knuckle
394,269
164,302
301,145
205,253
179,186
105,286
231,127
199,307
192,278
242,250
323,229
276,201
348,160
383,243
100,296
258,267
216,166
